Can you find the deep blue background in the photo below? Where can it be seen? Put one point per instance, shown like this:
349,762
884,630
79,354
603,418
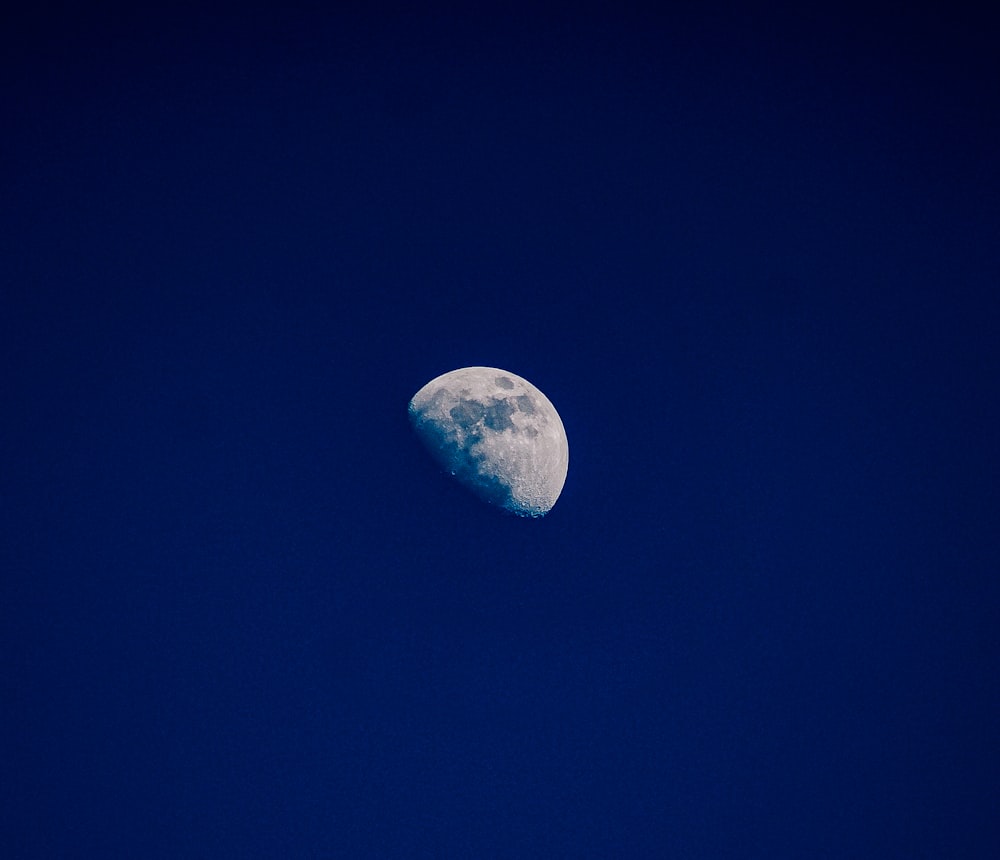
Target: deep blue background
753,260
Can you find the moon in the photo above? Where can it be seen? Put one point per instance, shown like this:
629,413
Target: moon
497,435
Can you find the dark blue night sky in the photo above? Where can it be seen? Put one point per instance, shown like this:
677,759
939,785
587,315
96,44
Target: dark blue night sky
752,260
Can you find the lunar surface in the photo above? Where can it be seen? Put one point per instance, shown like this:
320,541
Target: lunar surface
497,435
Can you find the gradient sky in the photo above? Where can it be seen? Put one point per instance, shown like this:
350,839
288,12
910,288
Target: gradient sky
752,260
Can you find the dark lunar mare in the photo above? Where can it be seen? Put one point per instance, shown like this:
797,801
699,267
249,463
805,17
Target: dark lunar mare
495,415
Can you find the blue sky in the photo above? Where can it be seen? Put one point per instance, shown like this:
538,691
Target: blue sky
753,263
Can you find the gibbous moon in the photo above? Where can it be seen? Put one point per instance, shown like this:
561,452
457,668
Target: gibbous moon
497,435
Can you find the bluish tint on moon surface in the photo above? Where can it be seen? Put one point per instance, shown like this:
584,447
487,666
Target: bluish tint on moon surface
497,435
